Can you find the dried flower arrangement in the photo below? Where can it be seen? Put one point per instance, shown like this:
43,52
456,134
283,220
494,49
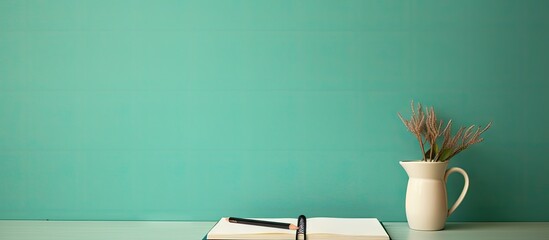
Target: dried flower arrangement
427,129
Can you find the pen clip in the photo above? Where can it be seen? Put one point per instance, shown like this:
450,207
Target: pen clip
302,228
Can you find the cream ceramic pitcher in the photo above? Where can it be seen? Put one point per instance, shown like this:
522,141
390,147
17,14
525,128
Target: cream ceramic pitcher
426,200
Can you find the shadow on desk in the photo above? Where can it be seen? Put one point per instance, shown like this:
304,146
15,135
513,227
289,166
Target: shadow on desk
475,230
463,226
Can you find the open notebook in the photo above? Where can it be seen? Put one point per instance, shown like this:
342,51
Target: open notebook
317,229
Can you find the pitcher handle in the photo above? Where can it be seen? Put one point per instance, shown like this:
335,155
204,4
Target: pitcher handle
465,186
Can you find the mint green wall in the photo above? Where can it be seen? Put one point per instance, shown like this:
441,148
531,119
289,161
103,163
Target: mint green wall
180,110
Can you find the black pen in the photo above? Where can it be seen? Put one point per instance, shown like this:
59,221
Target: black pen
263,223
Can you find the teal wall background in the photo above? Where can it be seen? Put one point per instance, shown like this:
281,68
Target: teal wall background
193,110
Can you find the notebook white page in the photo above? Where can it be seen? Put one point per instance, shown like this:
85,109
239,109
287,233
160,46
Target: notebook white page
345,226
224,227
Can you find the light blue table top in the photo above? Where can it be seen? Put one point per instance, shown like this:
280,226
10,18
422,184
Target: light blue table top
145,230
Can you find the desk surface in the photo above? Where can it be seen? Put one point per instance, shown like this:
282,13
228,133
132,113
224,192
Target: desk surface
141,230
